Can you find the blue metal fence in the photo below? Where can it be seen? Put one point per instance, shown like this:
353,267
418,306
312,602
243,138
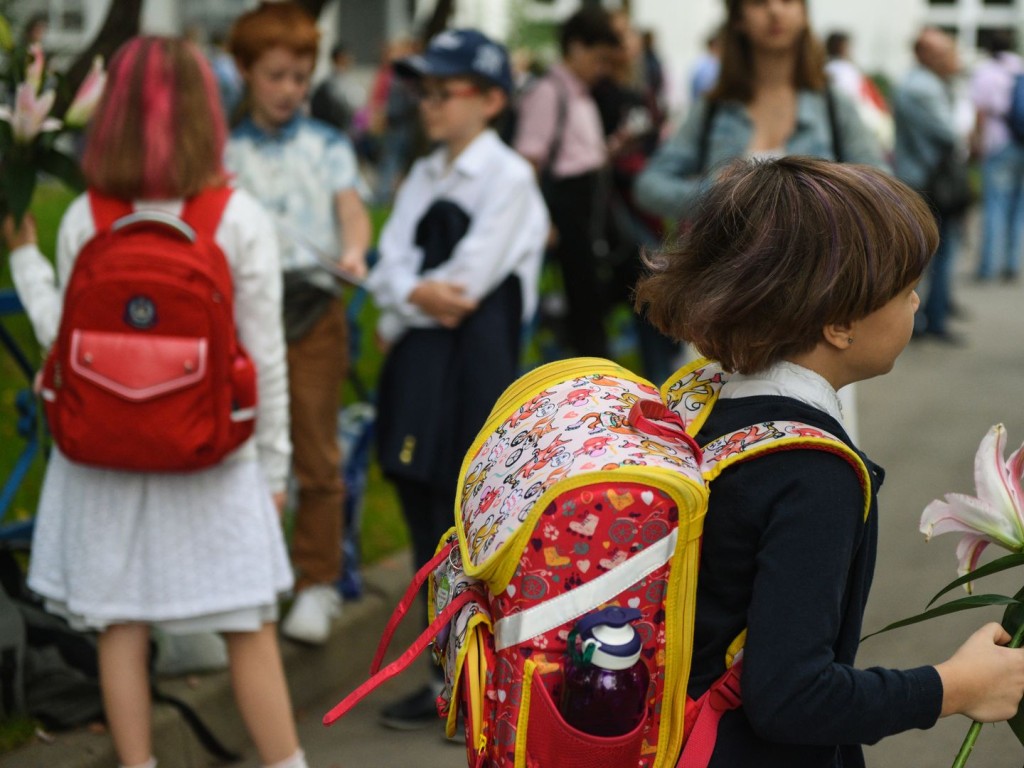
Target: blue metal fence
27,411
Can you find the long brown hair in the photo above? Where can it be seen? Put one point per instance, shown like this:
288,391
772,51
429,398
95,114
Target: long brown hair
159,130
778,250
735,78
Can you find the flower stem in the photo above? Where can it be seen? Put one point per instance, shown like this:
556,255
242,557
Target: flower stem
975,729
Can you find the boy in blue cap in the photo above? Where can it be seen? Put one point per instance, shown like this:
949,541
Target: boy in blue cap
459,263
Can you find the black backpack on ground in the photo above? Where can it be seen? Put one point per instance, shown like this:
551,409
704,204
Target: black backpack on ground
49,670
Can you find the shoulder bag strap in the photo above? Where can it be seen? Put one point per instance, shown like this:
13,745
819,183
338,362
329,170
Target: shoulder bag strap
833,123
704,142
561,119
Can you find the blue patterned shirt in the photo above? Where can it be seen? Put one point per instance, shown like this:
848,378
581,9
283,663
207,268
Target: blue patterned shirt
296,173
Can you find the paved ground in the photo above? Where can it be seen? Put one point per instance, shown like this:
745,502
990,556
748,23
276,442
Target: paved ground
922,423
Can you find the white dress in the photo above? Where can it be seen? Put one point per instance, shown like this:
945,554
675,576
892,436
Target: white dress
191,551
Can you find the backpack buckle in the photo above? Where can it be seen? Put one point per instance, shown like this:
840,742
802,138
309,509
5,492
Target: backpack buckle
724,695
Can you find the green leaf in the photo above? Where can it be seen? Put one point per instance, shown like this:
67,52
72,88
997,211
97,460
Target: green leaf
58,164
1012,620
1002,564
954,606
6,38
17,183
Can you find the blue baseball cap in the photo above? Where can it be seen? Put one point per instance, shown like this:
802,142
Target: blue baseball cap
457,53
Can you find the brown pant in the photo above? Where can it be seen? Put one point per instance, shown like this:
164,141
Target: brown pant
317,365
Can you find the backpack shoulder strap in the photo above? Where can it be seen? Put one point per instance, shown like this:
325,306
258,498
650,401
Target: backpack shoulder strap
560,121
204,210
106,209
775,436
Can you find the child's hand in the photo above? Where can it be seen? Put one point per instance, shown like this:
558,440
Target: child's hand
983,680
16,236
280,499
353,261
445,302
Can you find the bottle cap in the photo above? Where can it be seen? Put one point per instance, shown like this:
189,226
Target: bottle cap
608,639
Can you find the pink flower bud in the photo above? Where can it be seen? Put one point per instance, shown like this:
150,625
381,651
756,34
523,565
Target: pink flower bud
87,97
36,67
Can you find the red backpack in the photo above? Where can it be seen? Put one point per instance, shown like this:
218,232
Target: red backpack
146,372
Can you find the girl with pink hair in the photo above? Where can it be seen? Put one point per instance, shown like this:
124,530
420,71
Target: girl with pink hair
120,552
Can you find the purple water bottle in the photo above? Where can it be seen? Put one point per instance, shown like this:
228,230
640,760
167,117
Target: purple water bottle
606,681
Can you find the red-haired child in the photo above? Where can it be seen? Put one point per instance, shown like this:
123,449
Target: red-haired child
305,173
120,552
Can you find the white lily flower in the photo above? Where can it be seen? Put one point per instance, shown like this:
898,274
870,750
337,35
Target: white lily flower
994,516
31,114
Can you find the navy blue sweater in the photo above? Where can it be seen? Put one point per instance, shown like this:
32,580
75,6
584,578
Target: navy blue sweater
788,555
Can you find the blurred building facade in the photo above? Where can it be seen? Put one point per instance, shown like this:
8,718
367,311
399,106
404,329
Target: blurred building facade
882,30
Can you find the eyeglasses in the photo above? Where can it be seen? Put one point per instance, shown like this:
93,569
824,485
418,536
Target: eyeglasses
435,97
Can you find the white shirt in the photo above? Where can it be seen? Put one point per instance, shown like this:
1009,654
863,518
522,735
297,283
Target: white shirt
508,228
248,242
786,379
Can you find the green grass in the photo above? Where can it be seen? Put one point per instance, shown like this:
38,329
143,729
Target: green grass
16,731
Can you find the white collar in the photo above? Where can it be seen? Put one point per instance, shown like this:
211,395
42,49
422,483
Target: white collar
471,160
786,379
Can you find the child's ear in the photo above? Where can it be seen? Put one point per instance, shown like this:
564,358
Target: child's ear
838,335
495,101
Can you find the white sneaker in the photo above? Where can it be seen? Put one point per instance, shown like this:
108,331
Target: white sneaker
309,620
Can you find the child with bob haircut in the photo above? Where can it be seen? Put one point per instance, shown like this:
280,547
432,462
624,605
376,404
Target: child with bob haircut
118,551
306,175
799,276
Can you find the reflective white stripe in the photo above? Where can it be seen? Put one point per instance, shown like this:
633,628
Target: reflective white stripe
243,414
520,627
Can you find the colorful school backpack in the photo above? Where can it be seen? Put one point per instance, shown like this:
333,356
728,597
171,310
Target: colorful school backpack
147,373
584,489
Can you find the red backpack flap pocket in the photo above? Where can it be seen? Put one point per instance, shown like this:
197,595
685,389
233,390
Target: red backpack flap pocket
138,367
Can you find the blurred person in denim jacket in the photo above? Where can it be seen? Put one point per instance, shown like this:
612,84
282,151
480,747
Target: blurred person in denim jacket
929,148
770,100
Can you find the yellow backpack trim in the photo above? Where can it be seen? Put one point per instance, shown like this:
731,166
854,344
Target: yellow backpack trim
708,399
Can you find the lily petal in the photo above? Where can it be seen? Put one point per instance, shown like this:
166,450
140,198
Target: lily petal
30,113
967,553
966,514
1015,471
991,477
